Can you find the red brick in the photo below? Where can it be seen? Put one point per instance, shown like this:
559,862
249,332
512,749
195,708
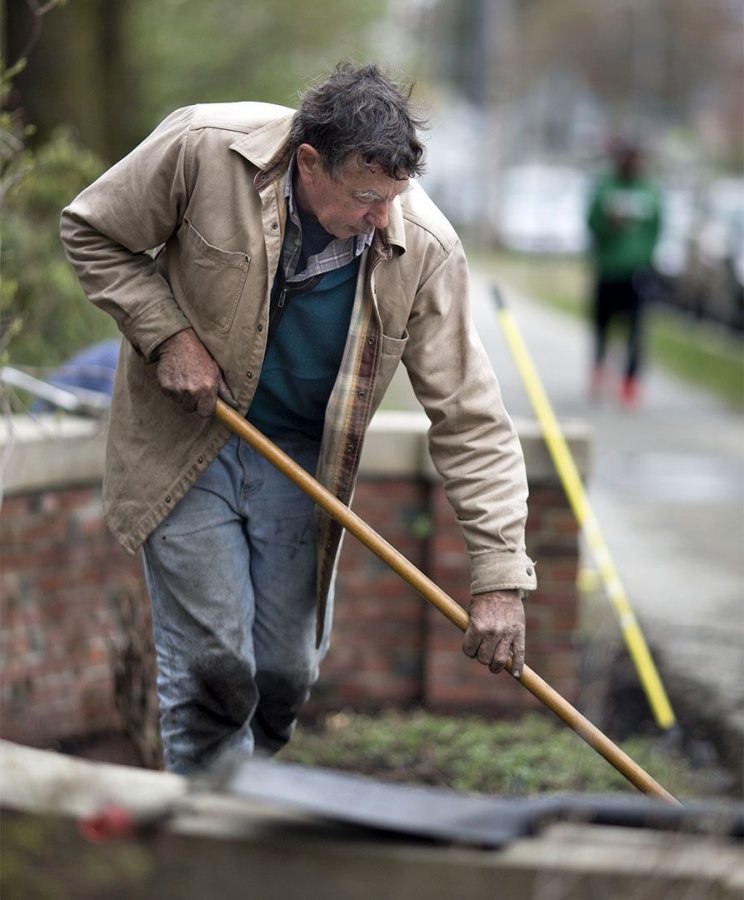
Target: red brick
15,505
389,645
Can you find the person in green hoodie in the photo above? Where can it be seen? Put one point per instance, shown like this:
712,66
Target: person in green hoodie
624,221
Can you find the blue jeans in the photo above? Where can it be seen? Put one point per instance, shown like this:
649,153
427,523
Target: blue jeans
232,579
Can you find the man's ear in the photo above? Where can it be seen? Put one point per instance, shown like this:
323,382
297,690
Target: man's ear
308,161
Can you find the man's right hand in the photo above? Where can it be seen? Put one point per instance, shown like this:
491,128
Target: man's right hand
188,374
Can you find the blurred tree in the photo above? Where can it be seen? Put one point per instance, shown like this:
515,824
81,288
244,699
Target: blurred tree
77,72
114,69
187,51
111,70
44,314
645,58
655,65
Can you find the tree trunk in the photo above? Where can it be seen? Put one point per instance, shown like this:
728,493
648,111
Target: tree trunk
75,73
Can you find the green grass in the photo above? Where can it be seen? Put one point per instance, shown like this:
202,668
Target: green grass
699,355
702,354
561,282
513,758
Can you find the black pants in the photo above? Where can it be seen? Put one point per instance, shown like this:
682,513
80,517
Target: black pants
618,299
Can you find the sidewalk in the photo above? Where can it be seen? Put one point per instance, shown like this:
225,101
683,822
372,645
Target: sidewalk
667,486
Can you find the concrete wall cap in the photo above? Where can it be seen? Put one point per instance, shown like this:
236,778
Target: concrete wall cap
28,463
395,447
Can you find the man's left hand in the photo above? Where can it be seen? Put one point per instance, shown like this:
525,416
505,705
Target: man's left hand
496,630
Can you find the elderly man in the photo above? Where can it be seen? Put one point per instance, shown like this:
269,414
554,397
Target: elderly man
287,262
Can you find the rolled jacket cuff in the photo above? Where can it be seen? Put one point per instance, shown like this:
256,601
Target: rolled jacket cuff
501,570
155,325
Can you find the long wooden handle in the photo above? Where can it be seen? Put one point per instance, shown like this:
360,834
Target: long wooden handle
434,594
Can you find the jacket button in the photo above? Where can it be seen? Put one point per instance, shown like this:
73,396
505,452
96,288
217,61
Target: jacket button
371,342
529,570
249,374
361,394
274,226
329,545
167,498
200,459
259,327
349,448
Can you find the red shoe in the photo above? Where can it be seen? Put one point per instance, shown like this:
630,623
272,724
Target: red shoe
630,392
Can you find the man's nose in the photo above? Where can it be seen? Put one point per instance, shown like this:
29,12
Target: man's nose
378,215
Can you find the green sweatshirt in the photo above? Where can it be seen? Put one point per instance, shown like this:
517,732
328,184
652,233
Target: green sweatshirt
624,221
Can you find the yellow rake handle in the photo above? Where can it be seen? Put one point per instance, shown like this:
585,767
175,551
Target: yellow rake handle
582,510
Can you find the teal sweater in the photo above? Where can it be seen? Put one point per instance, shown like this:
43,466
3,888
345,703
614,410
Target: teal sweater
624,220
303,359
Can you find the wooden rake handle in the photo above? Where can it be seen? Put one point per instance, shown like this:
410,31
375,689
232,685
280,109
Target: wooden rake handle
434,594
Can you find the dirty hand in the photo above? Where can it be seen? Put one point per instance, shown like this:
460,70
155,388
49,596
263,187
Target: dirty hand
496,630
188,374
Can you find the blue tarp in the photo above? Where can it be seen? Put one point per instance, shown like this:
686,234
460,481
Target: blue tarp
92,369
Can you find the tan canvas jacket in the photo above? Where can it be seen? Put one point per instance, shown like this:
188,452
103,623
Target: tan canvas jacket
187,231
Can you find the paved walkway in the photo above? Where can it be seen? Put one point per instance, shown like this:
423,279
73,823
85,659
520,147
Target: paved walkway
668,489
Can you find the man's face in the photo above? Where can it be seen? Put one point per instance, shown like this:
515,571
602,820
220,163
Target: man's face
355,203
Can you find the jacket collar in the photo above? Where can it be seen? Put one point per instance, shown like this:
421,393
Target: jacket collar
267,145
267,148
395,232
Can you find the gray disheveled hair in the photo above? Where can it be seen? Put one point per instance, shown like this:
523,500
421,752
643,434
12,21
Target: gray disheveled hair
360,112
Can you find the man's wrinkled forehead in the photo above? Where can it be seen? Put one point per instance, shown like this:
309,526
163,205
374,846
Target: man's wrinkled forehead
370,184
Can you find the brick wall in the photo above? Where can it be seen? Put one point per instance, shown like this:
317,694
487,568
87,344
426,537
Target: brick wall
62,586
67,588
391,646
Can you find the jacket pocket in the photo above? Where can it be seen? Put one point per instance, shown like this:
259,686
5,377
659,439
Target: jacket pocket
392,351
213,279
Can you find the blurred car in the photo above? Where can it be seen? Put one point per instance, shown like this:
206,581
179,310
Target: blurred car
678,212
710,283
542,209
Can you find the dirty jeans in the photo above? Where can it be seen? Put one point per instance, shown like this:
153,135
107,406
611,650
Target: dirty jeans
231,574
